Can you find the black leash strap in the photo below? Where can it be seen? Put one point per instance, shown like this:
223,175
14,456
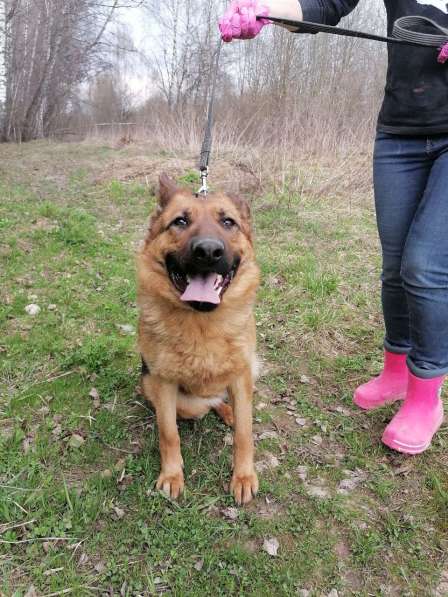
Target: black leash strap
207,142
406,31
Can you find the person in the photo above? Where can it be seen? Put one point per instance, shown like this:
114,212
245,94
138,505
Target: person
410,167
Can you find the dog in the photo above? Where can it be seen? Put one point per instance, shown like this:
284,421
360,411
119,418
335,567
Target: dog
197,281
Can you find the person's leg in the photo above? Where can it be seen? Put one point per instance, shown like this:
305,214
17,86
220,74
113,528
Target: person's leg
401,168
425,273
401,172
425,280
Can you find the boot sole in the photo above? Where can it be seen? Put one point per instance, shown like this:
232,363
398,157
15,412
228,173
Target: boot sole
408,448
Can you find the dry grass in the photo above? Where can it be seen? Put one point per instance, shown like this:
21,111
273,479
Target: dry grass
289,166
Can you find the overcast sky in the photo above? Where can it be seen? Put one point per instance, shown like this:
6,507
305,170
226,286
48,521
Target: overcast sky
136,20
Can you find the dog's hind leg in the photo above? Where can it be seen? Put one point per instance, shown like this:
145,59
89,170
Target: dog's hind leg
225,411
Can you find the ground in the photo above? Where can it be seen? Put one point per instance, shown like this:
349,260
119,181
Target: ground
78,446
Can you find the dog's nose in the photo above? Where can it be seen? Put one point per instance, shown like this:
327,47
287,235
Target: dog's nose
207,251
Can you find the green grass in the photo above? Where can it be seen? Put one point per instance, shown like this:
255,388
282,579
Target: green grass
78,510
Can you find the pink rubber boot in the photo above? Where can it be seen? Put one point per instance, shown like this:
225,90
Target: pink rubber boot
389,386
420,416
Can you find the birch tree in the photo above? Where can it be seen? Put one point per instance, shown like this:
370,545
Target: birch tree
48,48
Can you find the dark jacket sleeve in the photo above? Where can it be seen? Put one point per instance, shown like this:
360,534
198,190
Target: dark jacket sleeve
329,12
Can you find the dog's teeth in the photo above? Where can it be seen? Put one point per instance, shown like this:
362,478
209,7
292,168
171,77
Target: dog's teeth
188,279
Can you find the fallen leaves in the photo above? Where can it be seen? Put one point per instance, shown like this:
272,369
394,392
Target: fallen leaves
76,441
96,398
32,309
351,481
342,411
100,567
56,431
228,439
28,443
83,559
126,329
199,565
316,491
46,546
229,513
404,470
261,406
269,462
442,588
302,472
52,571
269,434
271,546
119,512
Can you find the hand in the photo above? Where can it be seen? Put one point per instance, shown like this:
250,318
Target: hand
240,22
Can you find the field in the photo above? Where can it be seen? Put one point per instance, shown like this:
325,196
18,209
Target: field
78,446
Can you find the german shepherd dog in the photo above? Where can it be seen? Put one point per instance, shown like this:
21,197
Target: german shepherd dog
197,280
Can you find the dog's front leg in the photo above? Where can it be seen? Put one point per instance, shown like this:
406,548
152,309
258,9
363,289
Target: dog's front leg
244,484
163,395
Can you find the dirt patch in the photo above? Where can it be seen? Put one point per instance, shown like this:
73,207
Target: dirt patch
232,177
266,508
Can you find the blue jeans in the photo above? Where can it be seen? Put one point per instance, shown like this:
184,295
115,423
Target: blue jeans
411,199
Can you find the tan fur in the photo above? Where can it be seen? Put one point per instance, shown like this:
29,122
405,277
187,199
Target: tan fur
196,358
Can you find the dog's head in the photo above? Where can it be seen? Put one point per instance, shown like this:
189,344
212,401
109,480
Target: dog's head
199,250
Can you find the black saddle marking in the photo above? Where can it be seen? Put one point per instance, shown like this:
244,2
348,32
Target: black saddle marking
145,368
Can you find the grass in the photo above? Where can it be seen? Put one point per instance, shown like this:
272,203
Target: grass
78,446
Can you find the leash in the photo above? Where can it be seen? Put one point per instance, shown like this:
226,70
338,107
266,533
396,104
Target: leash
206,148
404,32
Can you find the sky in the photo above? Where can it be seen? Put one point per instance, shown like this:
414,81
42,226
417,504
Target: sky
140,29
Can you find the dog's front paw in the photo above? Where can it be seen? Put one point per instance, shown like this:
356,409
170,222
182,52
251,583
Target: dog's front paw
172,485
244,487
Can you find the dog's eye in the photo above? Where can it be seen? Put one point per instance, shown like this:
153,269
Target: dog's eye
180,222
228,222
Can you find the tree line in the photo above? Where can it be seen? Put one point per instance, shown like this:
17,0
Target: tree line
64,63
48,48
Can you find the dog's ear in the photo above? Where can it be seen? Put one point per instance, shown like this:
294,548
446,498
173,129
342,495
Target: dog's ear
244,211
242,206
167,189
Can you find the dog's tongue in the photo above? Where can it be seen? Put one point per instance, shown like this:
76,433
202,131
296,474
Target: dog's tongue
202,289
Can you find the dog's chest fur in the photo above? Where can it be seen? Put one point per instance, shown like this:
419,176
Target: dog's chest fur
199,353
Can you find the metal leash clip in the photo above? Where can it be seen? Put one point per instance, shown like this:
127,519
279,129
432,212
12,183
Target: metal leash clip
204,188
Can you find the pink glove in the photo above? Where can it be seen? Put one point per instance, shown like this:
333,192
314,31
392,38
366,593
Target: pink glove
239,20
443,56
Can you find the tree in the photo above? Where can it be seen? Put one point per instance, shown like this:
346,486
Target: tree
49,47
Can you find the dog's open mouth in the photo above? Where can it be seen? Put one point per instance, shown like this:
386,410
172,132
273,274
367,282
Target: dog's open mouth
202,290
